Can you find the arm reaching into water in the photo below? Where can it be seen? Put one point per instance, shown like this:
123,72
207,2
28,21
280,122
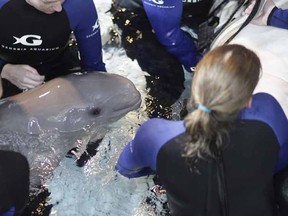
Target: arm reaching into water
165,17
139,157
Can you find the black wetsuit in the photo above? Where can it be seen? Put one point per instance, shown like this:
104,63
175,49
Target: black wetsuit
249,163
40,40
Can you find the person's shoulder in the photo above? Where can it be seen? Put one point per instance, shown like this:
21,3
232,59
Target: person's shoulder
255,130
264,98
269,105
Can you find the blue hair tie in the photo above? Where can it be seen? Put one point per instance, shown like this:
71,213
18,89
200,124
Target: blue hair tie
204,108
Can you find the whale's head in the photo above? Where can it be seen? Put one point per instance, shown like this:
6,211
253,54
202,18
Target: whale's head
105,98
76,101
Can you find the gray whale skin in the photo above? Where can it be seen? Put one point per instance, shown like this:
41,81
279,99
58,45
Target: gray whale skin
44,123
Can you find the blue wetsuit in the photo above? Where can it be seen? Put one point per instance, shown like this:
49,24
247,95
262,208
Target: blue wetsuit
265,108
29,36
278,18
254,146
167,17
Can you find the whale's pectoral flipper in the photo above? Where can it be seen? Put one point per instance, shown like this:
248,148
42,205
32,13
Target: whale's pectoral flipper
91,150
82,157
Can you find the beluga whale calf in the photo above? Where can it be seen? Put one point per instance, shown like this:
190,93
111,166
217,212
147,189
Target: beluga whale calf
45,123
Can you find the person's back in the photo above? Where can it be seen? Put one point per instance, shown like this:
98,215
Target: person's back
222,158
249,160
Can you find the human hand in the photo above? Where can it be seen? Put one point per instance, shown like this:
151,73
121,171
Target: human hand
262,18
22,76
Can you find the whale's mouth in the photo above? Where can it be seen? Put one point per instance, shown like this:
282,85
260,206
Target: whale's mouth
128,107
128,103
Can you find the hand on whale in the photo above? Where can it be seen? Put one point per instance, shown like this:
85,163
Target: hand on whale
45,122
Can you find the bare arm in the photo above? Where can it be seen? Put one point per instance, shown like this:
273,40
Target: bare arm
263,15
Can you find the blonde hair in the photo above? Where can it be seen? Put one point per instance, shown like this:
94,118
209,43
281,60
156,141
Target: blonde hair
223,83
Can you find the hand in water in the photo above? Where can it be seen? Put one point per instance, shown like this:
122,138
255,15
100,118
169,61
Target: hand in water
158,190
262,17
22,76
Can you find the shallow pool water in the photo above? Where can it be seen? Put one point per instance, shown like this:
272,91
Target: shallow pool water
97,189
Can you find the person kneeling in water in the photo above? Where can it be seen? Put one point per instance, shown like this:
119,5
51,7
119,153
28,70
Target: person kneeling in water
222,158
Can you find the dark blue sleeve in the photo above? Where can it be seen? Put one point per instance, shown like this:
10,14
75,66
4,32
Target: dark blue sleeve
84,23
2,2
10,212
140,155
267,109
278,18
165,17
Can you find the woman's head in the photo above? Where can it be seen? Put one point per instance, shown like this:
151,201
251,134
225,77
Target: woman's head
223,84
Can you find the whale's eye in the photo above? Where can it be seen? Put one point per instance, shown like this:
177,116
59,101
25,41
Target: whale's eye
96,112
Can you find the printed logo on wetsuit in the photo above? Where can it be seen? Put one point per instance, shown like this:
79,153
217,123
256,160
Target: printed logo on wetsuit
95,29
161,2
158,3
31,42
28,40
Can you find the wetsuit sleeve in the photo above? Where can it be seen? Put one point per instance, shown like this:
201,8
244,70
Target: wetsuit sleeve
10,212
278,18
140,155
266,108
2,2
84,23
165,17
